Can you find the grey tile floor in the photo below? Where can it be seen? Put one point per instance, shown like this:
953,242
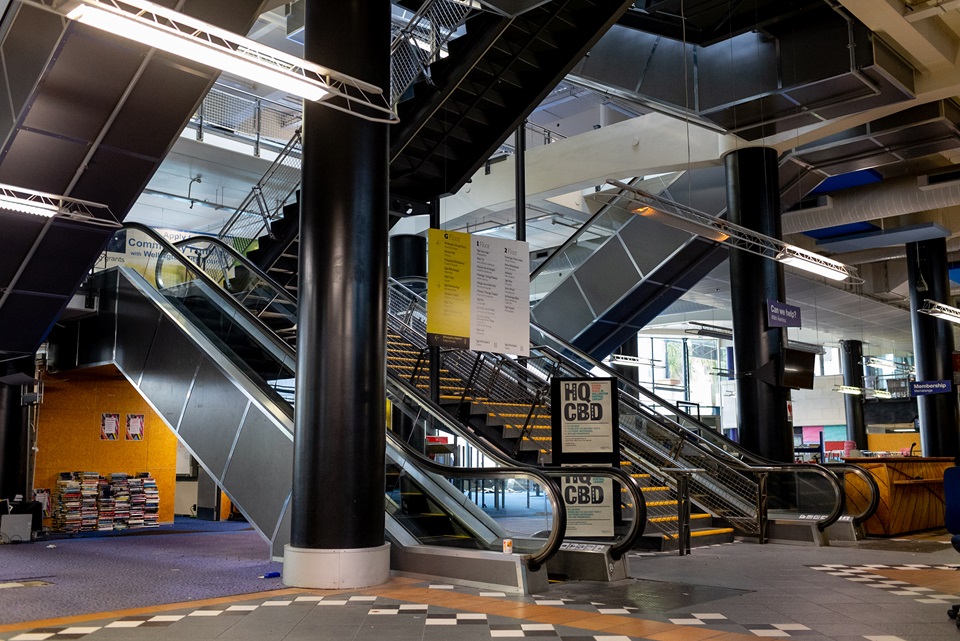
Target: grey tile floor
733,592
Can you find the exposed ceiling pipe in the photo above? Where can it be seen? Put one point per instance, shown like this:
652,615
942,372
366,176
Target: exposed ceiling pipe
882,254
895,197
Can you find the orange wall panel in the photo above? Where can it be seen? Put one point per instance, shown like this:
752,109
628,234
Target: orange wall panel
68,432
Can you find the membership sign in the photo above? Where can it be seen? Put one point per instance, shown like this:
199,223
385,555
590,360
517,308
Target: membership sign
479,293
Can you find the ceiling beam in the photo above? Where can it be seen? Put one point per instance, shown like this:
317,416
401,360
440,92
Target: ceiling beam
927,44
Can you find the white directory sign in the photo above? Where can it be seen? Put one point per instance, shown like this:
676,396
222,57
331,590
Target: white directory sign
478,293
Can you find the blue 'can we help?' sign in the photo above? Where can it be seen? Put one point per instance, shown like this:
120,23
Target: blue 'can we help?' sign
922,388
782,315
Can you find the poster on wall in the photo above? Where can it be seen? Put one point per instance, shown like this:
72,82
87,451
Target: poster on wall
479,293
589,503
134,427
584,411
109,427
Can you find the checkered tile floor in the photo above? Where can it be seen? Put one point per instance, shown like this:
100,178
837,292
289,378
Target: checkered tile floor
865,575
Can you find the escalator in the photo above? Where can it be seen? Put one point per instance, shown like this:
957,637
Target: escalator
508,404
224,384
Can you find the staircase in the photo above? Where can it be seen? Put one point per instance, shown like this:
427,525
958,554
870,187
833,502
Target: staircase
514,415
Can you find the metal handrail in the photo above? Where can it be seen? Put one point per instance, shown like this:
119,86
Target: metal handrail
494,454
868,478
552,490
281,291
745,455
274,340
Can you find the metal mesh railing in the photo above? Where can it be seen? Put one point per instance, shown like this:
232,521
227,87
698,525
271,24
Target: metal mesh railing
245,116
266,200
420,42
520,394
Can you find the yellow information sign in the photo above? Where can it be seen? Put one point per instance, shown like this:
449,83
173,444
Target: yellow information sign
449,298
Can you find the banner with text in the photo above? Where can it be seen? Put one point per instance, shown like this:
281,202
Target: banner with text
923,388
478,293
589,503
586,416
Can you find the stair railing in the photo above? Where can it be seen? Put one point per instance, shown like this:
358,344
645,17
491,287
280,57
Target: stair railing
420,42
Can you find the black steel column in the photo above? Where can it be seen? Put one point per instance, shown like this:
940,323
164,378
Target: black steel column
851,367
753,201
630,373
434,350
521,181
339,446
933,346
14,437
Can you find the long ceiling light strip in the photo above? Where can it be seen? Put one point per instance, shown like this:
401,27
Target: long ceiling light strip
696,222
939,310
38,203
173,32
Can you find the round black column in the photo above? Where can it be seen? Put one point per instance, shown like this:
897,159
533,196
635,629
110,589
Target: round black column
933,346
851,368
338,470
753,201
14,437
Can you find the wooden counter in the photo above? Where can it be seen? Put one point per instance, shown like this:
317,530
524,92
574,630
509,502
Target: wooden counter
911,493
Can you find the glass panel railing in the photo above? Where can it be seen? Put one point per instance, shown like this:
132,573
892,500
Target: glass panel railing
265,359
266,300
206,304
521,500
585,240
656,437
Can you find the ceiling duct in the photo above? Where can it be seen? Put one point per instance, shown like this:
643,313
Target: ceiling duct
817,66
894,197
907,135
883,254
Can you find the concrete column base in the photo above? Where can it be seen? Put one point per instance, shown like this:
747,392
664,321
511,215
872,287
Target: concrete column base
335,569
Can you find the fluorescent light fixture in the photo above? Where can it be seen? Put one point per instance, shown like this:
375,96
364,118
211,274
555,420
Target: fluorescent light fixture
813,263
848,389
689,226
680,216
249,60
882,393
939,310
38,203
904,429
711,331
28,207
879,363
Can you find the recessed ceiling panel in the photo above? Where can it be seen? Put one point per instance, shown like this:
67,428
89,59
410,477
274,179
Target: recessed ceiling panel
19,232
41,162
83,87
66,248
114,179
153,115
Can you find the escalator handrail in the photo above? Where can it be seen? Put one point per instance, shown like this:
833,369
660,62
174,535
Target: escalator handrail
617,549
874,503
535,560
167,246
282,292
747,459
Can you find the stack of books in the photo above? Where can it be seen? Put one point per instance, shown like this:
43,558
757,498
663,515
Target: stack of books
89,482
136,502
120,486
66,513
151,505
106,506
